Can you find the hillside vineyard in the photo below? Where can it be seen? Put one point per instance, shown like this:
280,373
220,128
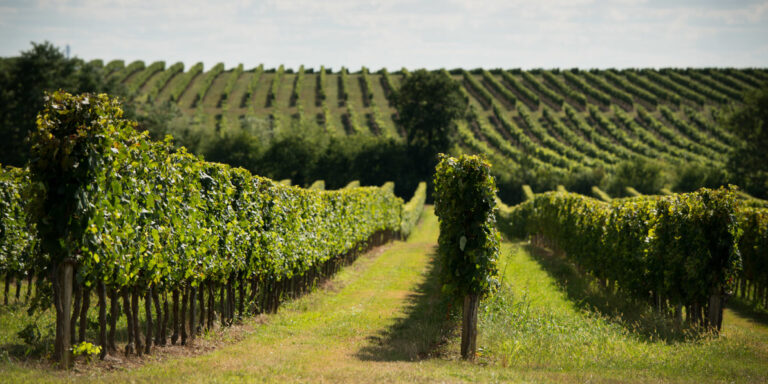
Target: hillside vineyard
557,119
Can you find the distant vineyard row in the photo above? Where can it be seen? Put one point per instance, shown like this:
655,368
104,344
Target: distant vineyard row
556,120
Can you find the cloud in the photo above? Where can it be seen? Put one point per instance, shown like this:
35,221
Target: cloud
395,33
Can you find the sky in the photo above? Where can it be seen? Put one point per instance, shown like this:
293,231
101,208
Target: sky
398,33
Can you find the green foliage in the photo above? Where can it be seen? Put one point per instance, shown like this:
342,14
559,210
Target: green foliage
695,134
133,212
473,85
560,85
681,248
659,92
247,100
141,78
519,87
275,86
465,203
548,93
528,192
186,81
207,82
664,81
163,79
598,193
389,88
343,86
23,81
412,210
602,85
428,103
130,69
30,334
582,85
499,88
367,86
113,66
748,159
646,176
318,185
68,156
753,244
297,83
581,180
352,121
231,81
623,83
17,237
702,89
86,349
694,176
551,149
320,86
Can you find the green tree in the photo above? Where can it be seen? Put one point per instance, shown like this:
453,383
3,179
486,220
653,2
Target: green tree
646,176
23,81
748,160
427,105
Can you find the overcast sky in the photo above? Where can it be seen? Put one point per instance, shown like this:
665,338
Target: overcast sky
398,33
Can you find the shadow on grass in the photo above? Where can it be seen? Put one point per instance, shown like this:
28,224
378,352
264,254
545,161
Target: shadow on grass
748,310
637,316
425,327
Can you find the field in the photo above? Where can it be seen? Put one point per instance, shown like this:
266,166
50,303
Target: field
552,120
383,319
126,258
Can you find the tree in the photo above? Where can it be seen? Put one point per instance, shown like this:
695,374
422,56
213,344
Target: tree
24,80
647,176
748,160
427,104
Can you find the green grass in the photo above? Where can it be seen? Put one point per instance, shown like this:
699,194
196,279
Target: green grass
382,319
535,322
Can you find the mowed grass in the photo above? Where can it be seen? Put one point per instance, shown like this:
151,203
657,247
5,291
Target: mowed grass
537,323
382,319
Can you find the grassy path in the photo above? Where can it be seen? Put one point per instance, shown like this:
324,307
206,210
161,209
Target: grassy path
380,318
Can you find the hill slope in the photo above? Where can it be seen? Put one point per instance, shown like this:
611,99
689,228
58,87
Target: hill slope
554,119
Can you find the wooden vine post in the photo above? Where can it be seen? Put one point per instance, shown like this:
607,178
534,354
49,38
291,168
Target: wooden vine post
63,306
468,244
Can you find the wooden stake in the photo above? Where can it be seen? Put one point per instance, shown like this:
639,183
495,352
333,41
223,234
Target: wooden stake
148,312
73,319
136,326
192,292
129,348
84,315
102,319
63,302
114,313
469,327
182,323
175,320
